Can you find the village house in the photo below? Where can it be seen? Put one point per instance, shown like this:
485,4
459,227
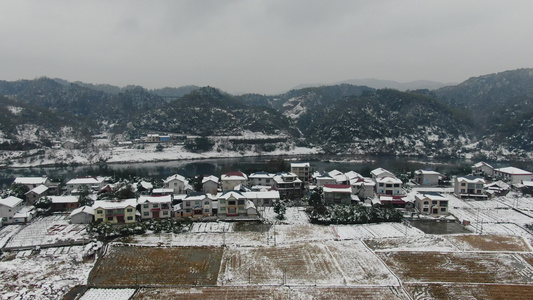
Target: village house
235,204
379,173
340,177
288,185
512,175
322,178
115,211
302,171
388,186
163,191
36,193
196,205
339,194
82,215
427,177
363,187
482,169
155,207
25,214
176,182
261,199
431,204
33,182
63,203
469,187
261,179
91,183
9,207
210,184
230,180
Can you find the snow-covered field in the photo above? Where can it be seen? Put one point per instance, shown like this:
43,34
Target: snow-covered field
42,275
101,294
48,230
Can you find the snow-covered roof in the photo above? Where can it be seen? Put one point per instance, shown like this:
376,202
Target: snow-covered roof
388,179
337,188
300,165
146,185
24,212
175,177
39,190
234,176
115,204
84,209
63,199
513,171
31,180
162,191
481,164
250,204
527,183
210,178
154,199
470,179
427,172
431,196
86,180
11,201
498,184
261,175
352,175
379,171
229,194
197,197
262,195
362,181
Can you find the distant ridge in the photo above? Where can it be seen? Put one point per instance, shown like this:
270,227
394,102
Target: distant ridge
380,84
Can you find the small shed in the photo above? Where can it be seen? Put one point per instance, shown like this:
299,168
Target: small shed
82,215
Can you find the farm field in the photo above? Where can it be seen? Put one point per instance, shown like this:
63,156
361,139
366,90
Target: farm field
489,243
469,291
459,267
271,292
48,231
129,266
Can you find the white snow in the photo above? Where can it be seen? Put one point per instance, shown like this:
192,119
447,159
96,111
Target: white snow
101,294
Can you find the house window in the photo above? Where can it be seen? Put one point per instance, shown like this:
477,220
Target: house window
196,203
426,202
231,202
99,220
99,211
426,209
381,184
434,202
222,209
241,202
145,205
146,214
110,218
206,203
463,184
443,209
156,205
129,210
165,212
206,210
129,218
222,201
463,190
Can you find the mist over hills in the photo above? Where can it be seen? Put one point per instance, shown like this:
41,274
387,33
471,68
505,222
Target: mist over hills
489,116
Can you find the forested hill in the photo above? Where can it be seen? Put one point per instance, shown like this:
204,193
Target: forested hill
486,115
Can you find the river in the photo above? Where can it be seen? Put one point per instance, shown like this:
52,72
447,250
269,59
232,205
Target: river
190,168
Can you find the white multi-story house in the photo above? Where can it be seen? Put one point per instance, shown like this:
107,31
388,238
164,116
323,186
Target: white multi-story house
155,207
230,180
261,179
265,198
431,204
196,205
176,182
482,169
388,186
9,207
322,178
363,187
427,177
115,211
512,175
288,185
33,182
469,187
92,184
235,204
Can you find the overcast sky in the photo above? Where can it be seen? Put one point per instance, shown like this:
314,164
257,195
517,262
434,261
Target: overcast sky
260,46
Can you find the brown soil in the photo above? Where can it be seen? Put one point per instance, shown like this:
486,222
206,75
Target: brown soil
474,291
489,242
